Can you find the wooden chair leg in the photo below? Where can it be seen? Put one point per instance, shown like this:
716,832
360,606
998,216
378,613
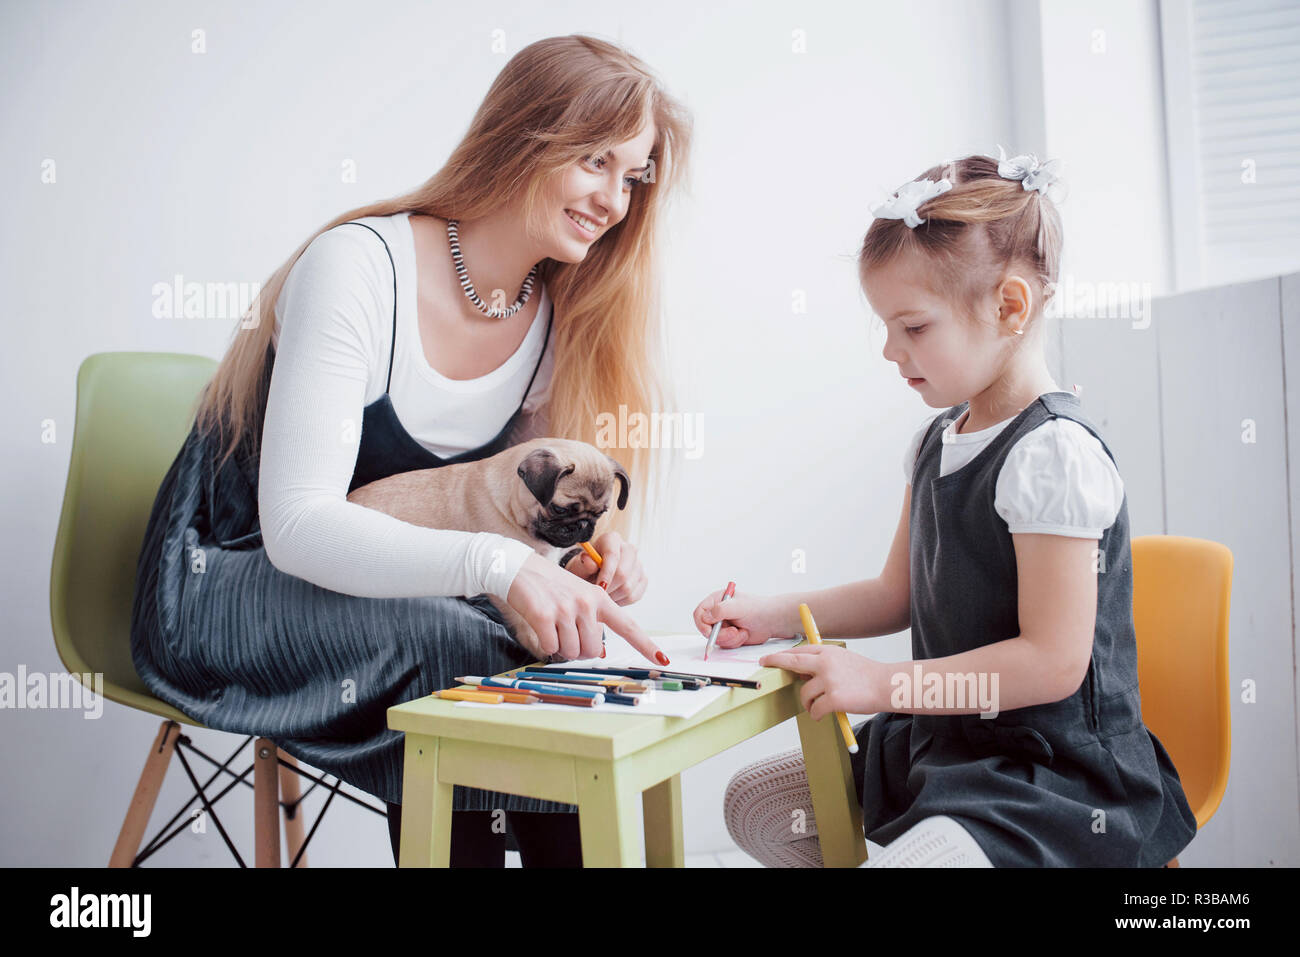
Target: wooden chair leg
290,791
266,804
146,794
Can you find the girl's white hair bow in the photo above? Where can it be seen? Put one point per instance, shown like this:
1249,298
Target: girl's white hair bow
903,203
1027,169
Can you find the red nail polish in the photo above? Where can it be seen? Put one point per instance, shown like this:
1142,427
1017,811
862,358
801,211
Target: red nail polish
661,658
604,585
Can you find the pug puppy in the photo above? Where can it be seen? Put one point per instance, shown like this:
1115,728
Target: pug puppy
547,492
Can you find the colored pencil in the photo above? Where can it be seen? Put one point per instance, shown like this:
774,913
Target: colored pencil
627,686
544,698
511,696
717,625
550,688
460,694
644,673
814,638
656,673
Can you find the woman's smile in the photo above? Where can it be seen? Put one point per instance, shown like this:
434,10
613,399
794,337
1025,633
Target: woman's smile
580,224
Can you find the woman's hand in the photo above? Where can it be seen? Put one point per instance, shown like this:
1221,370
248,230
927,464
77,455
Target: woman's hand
567,613
620,568
747,619
837,679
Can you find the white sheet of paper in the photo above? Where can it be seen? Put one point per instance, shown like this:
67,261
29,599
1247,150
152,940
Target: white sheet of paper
685,653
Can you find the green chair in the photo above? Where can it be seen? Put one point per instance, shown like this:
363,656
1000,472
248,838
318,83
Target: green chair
134,410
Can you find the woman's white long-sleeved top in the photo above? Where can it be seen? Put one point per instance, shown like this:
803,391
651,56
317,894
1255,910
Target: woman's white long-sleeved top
334,322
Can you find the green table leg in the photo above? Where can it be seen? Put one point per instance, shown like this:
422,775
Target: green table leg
661,806
834,798
426,807
606,815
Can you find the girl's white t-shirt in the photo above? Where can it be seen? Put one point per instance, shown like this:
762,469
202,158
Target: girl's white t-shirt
334,322
1056,480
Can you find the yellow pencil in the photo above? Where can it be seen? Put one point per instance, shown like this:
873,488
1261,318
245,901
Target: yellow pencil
456,694
815,638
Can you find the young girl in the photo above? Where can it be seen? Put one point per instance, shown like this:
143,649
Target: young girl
1011,566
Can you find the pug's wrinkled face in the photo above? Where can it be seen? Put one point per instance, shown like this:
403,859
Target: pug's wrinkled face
570,496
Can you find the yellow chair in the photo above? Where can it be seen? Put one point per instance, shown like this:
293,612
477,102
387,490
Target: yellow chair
1181,592
134,410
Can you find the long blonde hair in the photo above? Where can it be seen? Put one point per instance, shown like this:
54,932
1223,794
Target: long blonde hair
555,102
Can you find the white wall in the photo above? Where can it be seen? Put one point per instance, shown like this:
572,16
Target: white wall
216,166
1171,380
1103,113
1086,90
1090,92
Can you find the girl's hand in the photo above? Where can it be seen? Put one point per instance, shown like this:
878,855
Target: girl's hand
837,679
567,613
747,619
620,568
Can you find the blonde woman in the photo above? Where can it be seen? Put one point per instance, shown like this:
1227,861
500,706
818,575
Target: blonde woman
512,295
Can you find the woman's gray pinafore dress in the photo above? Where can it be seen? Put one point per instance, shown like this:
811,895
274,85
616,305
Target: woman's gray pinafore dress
224,636
1076,782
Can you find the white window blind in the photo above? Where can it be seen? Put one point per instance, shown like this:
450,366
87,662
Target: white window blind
1232,108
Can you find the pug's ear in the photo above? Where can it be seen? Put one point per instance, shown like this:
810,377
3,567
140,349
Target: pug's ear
623,481
540,470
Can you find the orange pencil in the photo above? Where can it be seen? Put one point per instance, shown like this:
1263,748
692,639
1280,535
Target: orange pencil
513,695
539,696
595,557
459,694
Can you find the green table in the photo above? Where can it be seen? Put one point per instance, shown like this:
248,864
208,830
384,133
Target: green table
603,763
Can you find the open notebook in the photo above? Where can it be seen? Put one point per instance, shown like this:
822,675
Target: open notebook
685,653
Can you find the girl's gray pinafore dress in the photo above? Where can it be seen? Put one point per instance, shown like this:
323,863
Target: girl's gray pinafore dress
1076,782
224,636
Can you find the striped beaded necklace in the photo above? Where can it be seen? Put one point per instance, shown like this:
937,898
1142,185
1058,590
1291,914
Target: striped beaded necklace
471,294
